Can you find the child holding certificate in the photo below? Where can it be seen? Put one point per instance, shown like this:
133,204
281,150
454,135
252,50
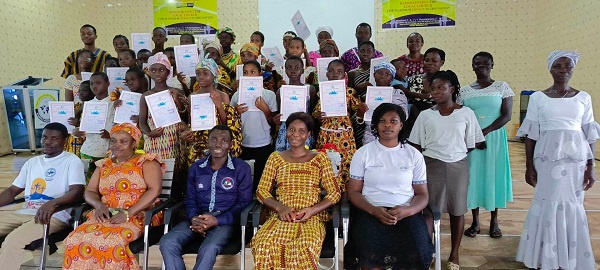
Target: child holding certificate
180,81
85,93
207,76
256,125
338,130
250,52
358,78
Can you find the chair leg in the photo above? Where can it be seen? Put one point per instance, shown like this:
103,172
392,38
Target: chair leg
345,228
243,250
165,232
438,249
44,246
146,232
336,257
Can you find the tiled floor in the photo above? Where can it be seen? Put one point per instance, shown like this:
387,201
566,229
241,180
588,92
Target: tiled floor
481,252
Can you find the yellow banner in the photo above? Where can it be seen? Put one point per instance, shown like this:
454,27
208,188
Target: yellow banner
196,17
417,13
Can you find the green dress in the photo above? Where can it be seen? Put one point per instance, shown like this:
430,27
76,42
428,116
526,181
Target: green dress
490,182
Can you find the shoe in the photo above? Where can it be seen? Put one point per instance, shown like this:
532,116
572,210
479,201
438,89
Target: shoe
497,233
452,266
472,232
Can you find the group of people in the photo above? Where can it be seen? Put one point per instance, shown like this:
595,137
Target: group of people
437,145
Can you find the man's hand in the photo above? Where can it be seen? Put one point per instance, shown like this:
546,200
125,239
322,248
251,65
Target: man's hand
45,212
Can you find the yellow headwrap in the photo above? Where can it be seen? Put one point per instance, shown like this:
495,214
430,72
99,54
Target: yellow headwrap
250,47
128,128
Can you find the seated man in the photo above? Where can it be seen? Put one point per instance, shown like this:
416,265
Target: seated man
219,187
50,180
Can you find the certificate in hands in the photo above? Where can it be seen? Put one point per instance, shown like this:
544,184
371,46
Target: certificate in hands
250,89
130,106
375,96
322,64
239,71
93,117
116,78
293,99
186,57
140,41
61,111
300,25
204,113
274,56
374,62
333,98
162,109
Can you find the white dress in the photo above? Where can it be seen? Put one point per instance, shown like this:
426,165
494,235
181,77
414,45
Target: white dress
555,234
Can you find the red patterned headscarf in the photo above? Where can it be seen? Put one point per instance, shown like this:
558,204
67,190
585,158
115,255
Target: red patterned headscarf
128,128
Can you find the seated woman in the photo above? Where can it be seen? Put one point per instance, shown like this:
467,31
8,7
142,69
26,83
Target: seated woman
295,228
388,191
121,188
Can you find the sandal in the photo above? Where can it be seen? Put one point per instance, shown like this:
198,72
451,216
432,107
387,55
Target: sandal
452,266
472,232
497,233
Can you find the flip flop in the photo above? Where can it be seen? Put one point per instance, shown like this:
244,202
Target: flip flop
471,232
452,266
496,233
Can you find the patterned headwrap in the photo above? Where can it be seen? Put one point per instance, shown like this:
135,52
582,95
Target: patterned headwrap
211,65
227,30
325,28
160,58
573,55
387,66
250,47
331,43
214,45
128,128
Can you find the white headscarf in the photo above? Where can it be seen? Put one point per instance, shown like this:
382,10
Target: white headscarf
325,28
572,55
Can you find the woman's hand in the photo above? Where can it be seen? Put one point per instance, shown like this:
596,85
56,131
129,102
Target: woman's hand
73,121
588,177
156,132
286,214
304,214
118,218
531,176
362,109
277,119
399,212
383,216
101,213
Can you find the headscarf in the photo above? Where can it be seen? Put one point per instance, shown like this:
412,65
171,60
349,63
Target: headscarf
250,47
211,65
215,45
289,34
572,55
387,66
128,128
325,28
329,42
227,30
161,58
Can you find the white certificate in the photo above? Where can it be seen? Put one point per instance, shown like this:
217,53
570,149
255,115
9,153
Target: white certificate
140,41
93,117
85,76
116,79
322,64
250,89
61,111
204,113
186,57
239,71
302,77
375,96
333,98
300,26
130,106
374,62
274,56
162,109
293,99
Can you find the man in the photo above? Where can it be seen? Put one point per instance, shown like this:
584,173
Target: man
88,37
219,187
50,180
350,57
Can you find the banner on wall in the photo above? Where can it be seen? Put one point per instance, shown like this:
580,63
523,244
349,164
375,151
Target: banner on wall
417,13
177,17
41,98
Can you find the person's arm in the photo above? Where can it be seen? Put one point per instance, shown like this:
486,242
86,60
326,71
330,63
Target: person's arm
244,197
45,212
191,203
143,116
8,195
417,134
355,196
153,177
588,175
265,189
530,172
331,187
505,116
312,93
92,197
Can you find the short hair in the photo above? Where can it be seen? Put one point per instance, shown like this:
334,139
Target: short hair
291,33
101,74
58,127
439,51
397,60
335,61
382,109
88,52
169,49
112,59
450,77
159,28
483,54
366,42
130,51
190,36
223,128
123,37
302,116
294,58
84,83
137,71
260,34
144,51
90,26
416,33
253,62
298,39
364,24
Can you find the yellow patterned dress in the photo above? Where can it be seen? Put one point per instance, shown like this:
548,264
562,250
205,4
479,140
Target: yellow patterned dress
74,144
102,245
290,245
338,131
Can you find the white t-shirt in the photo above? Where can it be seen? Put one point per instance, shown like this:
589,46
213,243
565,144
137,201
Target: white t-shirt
446,138
388,173
94,145
256,131
45,179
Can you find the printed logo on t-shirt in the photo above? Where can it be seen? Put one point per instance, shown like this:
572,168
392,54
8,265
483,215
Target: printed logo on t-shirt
227,183
50,173
36,197
200,186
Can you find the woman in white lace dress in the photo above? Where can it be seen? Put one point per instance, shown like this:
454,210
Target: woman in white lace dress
560,131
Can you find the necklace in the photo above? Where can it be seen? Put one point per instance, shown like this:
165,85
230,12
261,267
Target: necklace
556,92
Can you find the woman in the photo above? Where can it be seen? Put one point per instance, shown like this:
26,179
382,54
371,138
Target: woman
102,242
294,231
414,60
388,189
323,33
490,183
445,134
85,60
229,59
286,40
559,150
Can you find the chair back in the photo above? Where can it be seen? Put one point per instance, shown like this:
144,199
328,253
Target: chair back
86,165
251,163
167,182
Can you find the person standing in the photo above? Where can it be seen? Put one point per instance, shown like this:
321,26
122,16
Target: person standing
350,57
88,37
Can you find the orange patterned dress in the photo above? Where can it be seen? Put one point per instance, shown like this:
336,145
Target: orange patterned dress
290,245
101,245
